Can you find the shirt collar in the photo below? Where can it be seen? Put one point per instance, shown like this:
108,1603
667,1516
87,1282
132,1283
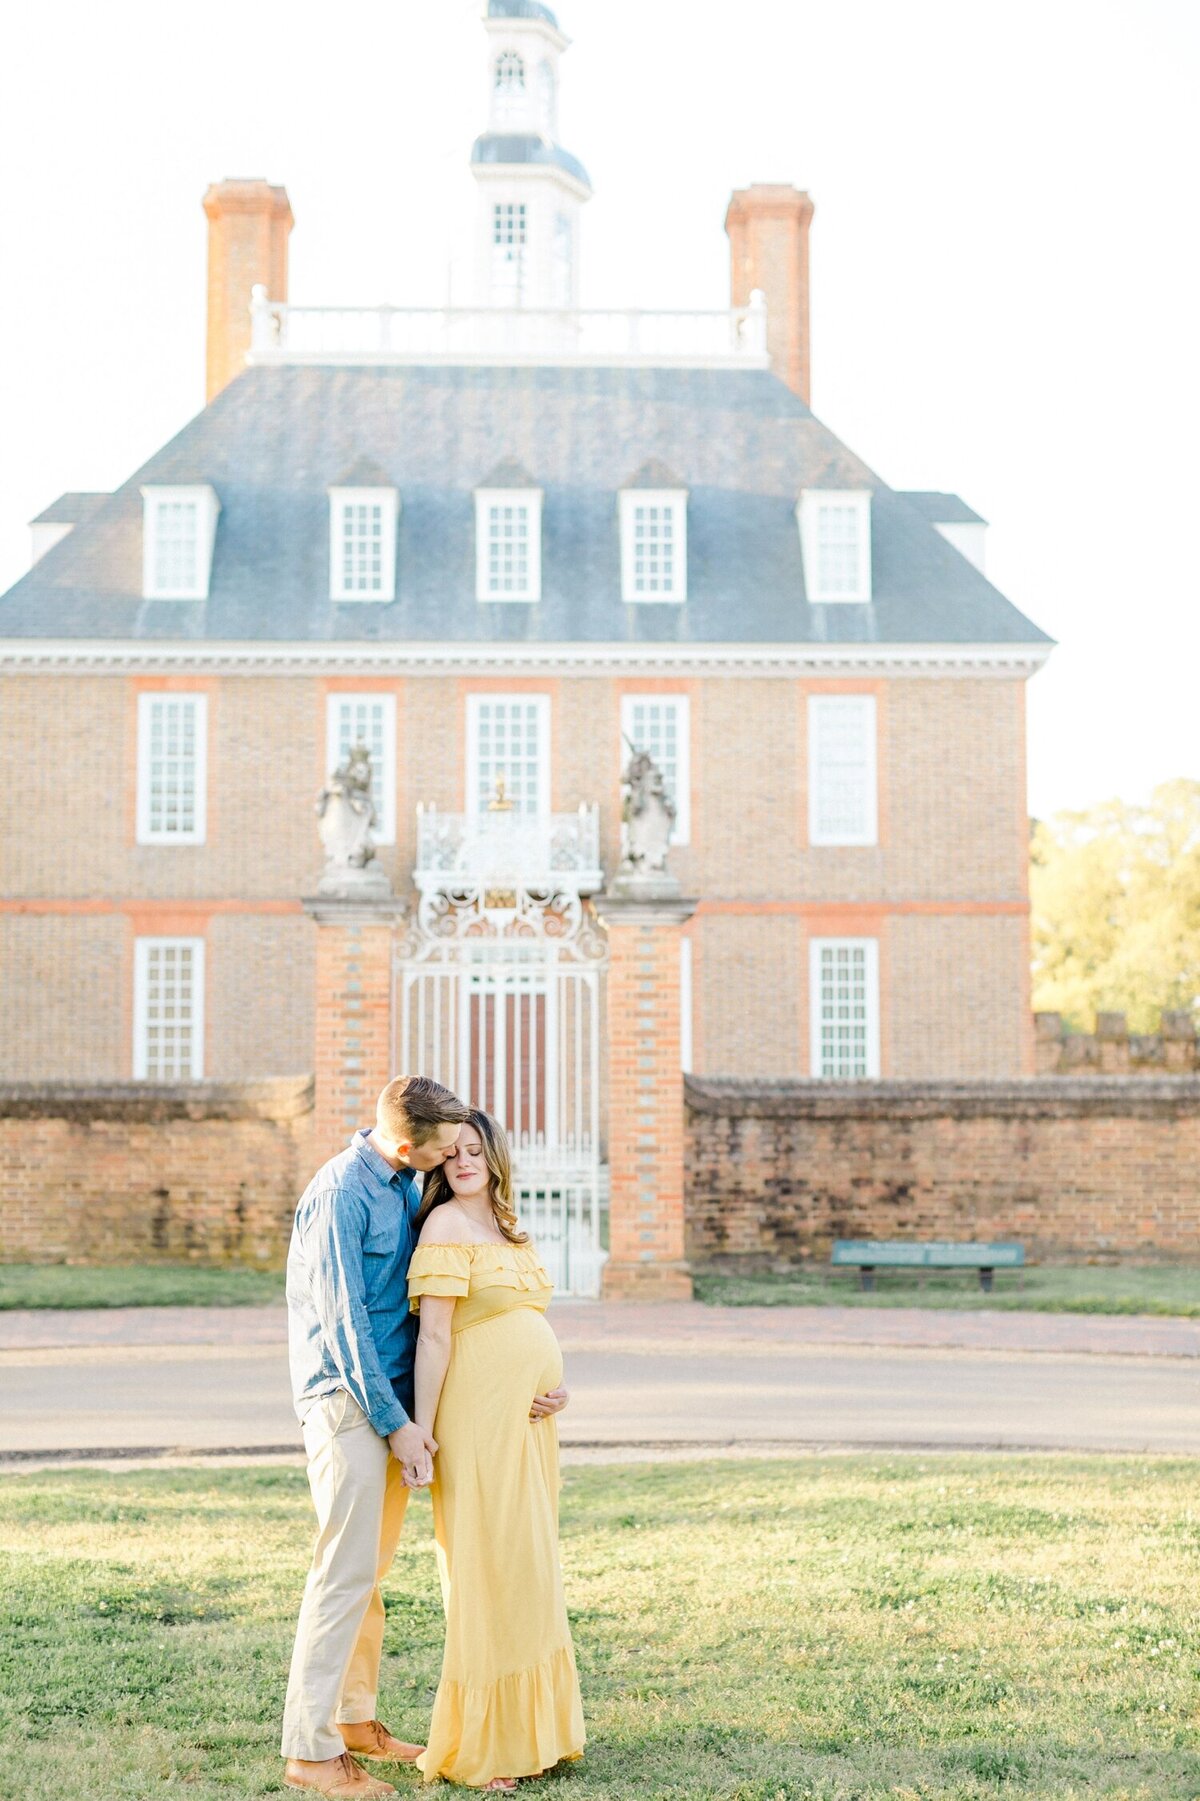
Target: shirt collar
378,1166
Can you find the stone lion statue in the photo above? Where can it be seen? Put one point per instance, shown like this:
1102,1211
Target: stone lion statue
647,813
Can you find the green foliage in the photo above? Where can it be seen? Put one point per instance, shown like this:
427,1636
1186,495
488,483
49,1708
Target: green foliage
1155,1288
1116,909
136,1285
826,1628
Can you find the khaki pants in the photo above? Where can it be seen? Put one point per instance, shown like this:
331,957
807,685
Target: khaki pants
359,1494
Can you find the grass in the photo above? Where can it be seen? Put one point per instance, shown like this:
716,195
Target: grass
829,1629
136,1285
1049,1288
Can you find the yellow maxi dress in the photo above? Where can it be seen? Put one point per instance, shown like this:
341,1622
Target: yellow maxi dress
508,1703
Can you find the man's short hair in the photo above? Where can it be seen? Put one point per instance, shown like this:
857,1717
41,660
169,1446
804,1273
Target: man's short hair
413,1107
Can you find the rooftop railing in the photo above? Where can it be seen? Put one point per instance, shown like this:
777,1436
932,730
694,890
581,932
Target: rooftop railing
533,851
281,333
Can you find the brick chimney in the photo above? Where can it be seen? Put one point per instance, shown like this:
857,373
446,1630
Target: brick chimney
248,226
768,243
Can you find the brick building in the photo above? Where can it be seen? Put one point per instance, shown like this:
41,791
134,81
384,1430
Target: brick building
495,543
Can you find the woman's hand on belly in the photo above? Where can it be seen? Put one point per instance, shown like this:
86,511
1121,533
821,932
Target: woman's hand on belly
545,1405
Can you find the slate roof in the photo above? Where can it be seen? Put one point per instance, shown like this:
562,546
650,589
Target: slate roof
742,443
521,9
526,147
70,509
942,509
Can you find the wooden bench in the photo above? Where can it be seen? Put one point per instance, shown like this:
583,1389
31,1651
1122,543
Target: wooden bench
869,1254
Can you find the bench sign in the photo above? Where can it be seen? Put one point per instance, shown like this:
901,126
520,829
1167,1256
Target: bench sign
903,1254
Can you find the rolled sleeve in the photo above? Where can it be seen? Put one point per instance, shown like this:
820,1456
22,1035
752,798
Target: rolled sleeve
332,1229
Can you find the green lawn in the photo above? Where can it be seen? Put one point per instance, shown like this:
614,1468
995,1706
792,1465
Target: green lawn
916,1628
136,1285
1127,1288
1050,1288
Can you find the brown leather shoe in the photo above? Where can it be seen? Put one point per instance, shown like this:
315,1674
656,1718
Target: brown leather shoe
371,1739
340,1778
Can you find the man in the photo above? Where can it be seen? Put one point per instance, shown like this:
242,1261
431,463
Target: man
352,1343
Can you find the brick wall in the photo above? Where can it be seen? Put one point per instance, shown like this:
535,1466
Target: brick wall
128,1172
1094,1166
1113,1050
944,890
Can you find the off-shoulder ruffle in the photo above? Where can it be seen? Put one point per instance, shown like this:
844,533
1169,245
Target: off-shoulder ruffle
448,1269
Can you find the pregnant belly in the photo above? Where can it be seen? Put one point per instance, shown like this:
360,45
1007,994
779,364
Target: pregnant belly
515,1351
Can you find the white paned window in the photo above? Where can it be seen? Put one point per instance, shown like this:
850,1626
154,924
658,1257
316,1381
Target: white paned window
171,768
842,805
844,1002
362,543
508,544
508,752
368,719
653,545
178,529
835,535
508,250
660,725
510,71
168,1009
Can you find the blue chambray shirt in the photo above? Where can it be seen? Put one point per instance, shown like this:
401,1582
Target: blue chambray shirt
349,1325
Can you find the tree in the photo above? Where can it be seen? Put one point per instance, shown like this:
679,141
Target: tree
1116,909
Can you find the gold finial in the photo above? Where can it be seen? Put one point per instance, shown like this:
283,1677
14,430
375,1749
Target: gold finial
500,803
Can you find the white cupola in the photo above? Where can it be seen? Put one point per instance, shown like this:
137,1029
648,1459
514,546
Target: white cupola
530,188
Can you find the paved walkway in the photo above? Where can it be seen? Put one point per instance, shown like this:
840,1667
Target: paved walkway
156,1380
596,1325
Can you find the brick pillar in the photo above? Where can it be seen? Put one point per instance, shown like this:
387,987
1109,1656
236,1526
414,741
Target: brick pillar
248,226
645,1099
353,1052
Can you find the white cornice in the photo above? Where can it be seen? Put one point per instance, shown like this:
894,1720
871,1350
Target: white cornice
113,656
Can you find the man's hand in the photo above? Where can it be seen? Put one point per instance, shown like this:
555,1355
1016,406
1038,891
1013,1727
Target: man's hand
414,1449
544,1405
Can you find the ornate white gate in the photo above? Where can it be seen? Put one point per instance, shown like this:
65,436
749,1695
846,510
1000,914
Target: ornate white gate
499,990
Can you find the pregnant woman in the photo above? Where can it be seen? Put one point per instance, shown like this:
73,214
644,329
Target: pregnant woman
488,1378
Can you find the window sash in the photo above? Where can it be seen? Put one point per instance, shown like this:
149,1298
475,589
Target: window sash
661,725
654,549
653,545
168,1009
844,1008
362,547
172,768
362,544
839,549
842,764
507,549
176,546
368,719
508,735
835,531
508,544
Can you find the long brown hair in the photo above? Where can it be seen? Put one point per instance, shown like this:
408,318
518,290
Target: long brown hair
498,1157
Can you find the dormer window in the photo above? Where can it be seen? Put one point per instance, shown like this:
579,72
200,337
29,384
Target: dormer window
362,542
179,525
653,539
835,538
508,536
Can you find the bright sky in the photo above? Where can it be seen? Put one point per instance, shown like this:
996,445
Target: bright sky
1003,260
